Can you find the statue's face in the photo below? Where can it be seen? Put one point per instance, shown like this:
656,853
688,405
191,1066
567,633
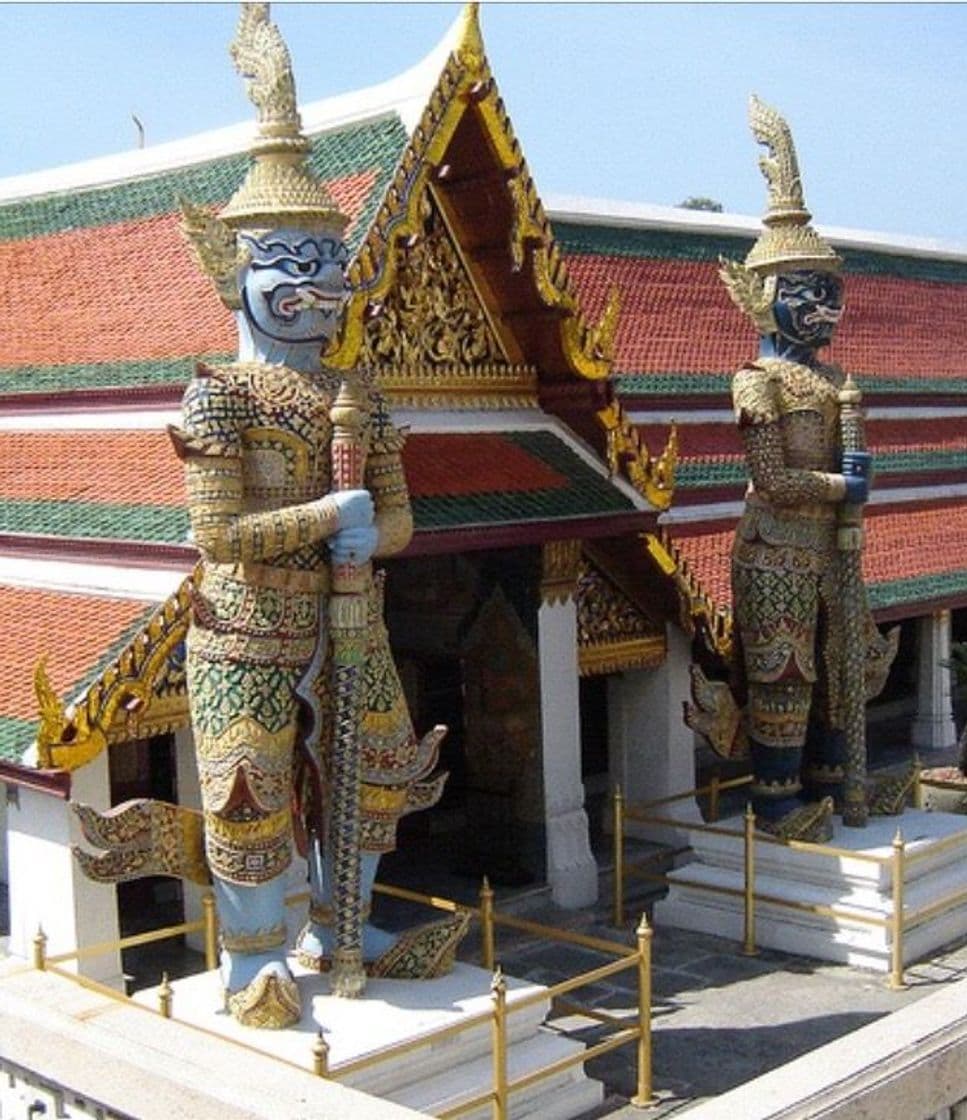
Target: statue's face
294,284
807,307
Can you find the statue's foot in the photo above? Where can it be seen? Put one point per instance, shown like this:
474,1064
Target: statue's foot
424,952
888,797
421,953
270,1000
315,943
812,823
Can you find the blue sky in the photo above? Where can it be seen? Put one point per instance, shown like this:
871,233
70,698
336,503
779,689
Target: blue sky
635,102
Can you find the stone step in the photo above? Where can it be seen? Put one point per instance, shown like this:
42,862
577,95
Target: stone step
431,1073
936,871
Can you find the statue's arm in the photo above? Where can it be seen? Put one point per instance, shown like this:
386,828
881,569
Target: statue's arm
386,482
210,447
782,485
225,535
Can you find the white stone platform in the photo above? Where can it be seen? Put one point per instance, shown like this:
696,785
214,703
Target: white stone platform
863,888
433,1075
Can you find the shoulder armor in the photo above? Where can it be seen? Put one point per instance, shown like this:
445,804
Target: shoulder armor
755,396
209,413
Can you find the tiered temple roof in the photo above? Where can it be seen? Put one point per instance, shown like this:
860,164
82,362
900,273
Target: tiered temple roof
107,314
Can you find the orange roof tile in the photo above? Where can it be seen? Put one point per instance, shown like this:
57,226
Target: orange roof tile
72,631
902,543
474,463
131,466
676,317
127,291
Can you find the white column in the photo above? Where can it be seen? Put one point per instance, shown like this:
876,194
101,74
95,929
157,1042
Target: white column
47,886
933,727
651,749
571,869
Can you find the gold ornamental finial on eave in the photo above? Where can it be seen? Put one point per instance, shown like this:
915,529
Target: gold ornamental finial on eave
470,49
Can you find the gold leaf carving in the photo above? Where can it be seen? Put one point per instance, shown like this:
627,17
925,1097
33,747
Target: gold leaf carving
432,316
613,634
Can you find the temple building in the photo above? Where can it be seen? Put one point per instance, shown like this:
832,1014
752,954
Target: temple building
563,368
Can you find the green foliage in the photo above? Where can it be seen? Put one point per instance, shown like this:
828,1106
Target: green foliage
700,202
958,662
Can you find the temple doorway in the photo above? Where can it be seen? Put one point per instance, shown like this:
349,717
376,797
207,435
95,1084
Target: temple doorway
146,768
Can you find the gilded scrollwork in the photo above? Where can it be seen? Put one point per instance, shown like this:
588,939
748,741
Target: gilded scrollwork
613,635
628,454
433,316
122,701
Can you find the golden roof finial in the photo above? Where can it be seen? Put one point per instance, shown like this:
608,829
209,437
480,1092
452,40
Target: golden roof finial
470,39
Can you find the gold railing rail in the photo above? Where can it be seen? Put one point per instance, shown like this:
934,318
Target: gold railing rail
503,1004
899,921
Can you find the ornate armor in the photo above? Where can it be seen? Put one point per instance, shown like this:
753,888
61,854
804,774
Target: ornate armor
256,444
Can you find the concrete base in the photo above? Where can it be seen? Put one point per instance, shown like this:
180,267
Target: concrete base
935,871
430,1077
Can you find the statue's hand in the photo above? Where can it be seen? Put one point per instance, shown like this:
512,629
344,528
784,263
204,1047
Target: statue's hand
857,467
354,508
353,546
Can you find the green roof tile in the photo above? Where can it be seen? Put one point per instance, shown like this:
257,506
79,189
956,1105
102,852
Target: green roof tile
103,375
916,589
693,246
334,155
587,493
97,520
15,736
628,385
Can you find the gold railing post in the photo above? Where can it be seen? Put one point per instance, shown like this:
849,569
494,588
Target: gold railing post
748,944
898,865
713,799
644,1096
487,949
320,1056
498,990
618,839
40,949
165,994
211,930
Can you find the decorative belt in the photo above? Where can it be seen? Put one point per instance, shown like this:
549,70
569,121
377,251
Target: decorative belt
280,579
814,511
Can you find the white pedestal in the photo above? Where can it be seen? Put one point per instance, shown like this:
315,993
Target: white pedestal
862,888
433,1075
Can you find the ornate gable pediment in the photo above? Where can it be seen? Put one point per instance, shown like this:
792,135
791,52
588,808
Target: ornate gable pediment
613,634
434,342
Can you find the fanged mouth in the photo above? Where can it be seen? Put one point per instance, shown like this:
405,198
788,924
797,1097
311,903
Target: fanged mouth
819,315
307,299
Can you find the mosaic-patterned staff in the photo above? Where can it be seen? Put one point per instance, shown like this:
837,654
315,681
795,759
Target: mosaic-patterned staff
349,632
849,541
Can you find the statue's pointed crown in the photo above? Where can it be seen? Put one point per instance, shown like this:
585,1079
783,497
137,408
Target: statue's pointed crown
789,242
279,190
